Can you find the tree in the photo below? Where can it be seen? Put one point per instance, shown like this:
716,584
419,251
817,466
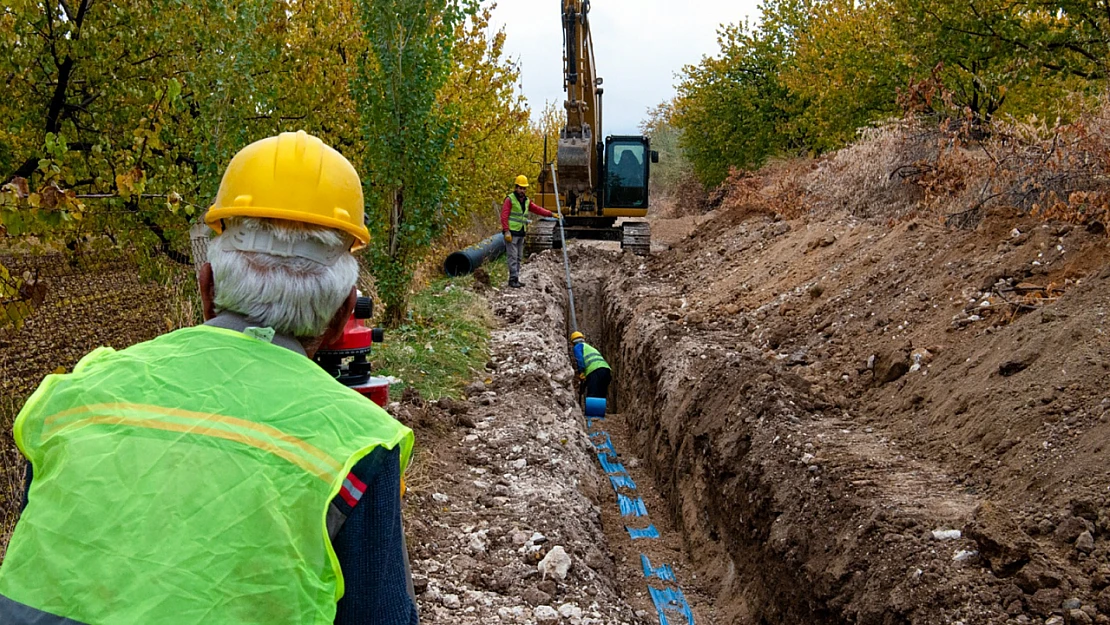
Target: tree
848,66
673,167
495,142
733,109
407,134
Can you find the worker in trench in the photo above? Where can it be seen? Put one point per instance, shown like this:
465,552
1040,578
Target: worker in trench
216,474
593,372
514,225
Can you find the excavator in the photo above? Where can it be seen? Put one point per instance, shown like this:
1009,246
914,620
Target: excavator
599,181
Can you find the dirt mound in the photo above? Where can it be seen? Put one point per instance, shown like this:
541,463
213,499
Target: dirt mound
823,403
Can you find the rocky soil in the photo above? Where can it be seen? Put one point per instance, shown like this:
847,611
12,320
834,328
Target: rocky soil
503,513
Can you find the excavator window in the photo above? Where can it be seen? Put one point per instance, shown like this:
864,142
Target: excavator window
626,174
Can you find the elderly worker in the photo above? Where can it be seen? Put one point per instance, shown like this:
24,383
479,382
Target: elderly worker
216,475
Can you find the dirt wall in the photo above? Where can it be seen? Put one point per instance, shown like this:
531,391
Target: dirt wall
788,510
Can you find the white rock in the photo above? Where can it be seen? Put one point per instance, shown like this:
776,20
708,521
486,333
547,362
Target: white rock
537,538
947,534
570,611
556,563
545,614
518,464
477,543
451,602
440,497
964,554
518,538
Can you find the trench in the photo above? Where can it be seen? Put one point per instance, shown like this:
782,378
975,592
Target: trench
764,538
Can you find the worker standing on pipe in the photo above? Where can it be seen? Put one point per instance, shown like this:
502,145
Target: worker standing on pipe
514,225
216,474
593,371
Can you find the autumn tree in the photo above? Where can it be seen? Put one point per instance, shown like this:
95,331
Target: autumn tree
408,134
495,141
733,109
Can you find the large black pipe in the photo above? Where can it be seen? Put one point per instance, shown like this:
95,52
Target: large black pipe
466,261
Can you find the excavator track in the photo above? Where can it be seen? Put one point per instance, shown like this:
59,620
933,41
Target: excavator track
636,237
541,236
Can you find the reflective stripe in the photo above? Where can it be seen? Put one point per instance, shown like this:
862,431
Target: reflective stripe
518,215
208,418
15,613
352,490
199,430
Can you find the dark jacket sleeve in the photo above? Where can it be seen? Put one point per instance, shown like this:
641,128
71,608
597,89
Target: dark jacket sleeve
371,548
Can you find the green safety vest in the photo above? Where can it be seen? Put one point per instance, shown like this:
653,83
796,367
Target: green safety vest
186,480
592,359
518,215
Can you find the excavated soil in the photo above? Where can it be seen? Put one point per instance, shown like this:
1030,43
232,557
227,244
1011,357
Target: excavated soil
857,422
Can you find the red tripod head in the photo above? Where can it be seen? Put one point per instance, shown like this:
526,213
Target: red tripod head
346,358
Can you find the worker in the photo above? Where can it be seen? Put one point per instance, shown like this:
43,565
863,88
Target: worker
216,474
514,225
593,371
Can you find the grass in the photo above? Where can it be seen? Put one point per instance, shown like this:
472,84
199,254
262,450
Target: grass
445,340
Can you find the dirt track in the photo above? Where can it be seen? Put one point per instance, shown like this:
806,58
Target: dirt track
817,407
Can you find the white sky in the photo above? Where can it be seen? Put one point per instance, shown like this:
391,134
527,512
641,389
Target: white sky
639,47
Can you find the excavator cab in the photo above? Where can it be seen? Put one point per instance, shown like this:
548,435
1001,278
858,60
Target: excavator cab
627,168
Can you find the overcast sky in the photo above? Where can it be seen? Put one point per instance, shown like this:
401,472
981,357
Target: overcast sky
639,47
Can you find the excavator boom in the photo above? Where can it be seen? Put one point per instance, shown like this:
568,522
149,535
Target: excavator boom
599,180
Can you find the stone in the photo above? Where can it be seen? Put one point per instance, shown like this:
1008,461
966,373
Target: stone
1085,543
1035,576
535,597
548,586
890,366
556,563
1079,617
1070,530
1045,601
1103,601
545,614
419,583
451,602
570,611
1054,620
1018,363
1072,604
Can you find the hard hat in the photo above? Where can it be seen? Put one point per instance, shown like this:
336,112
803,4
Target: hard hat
522,181
293,176
577,336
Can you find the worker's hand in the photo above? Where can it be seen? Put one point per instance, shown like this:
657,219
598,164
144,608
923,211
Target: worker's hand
555,215
508,237
582,376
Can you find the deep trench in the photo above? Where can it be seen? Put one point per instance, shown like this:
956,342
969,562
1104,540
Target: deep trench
705,428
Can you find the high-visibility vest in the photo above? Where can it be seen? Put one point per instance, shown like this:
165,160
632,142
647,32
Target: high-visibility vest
187,480
592,359
518,214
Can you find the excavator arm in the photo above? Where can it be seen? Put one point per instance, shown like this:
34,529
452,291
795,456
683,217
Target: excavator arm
577,156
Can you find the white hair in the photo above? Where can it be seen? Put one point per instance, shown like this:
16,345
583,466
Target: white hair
293,295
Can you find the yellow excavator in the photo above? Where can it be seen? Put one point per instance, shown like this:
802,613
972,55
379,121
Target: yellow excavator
599,181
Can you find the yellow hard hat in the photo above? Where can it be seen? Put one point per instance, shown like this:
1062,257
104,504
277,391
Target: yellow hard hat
293,176
522,181
576,336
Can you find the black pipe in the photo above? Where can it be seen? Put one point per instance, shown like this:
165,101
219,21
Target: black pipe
466,261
